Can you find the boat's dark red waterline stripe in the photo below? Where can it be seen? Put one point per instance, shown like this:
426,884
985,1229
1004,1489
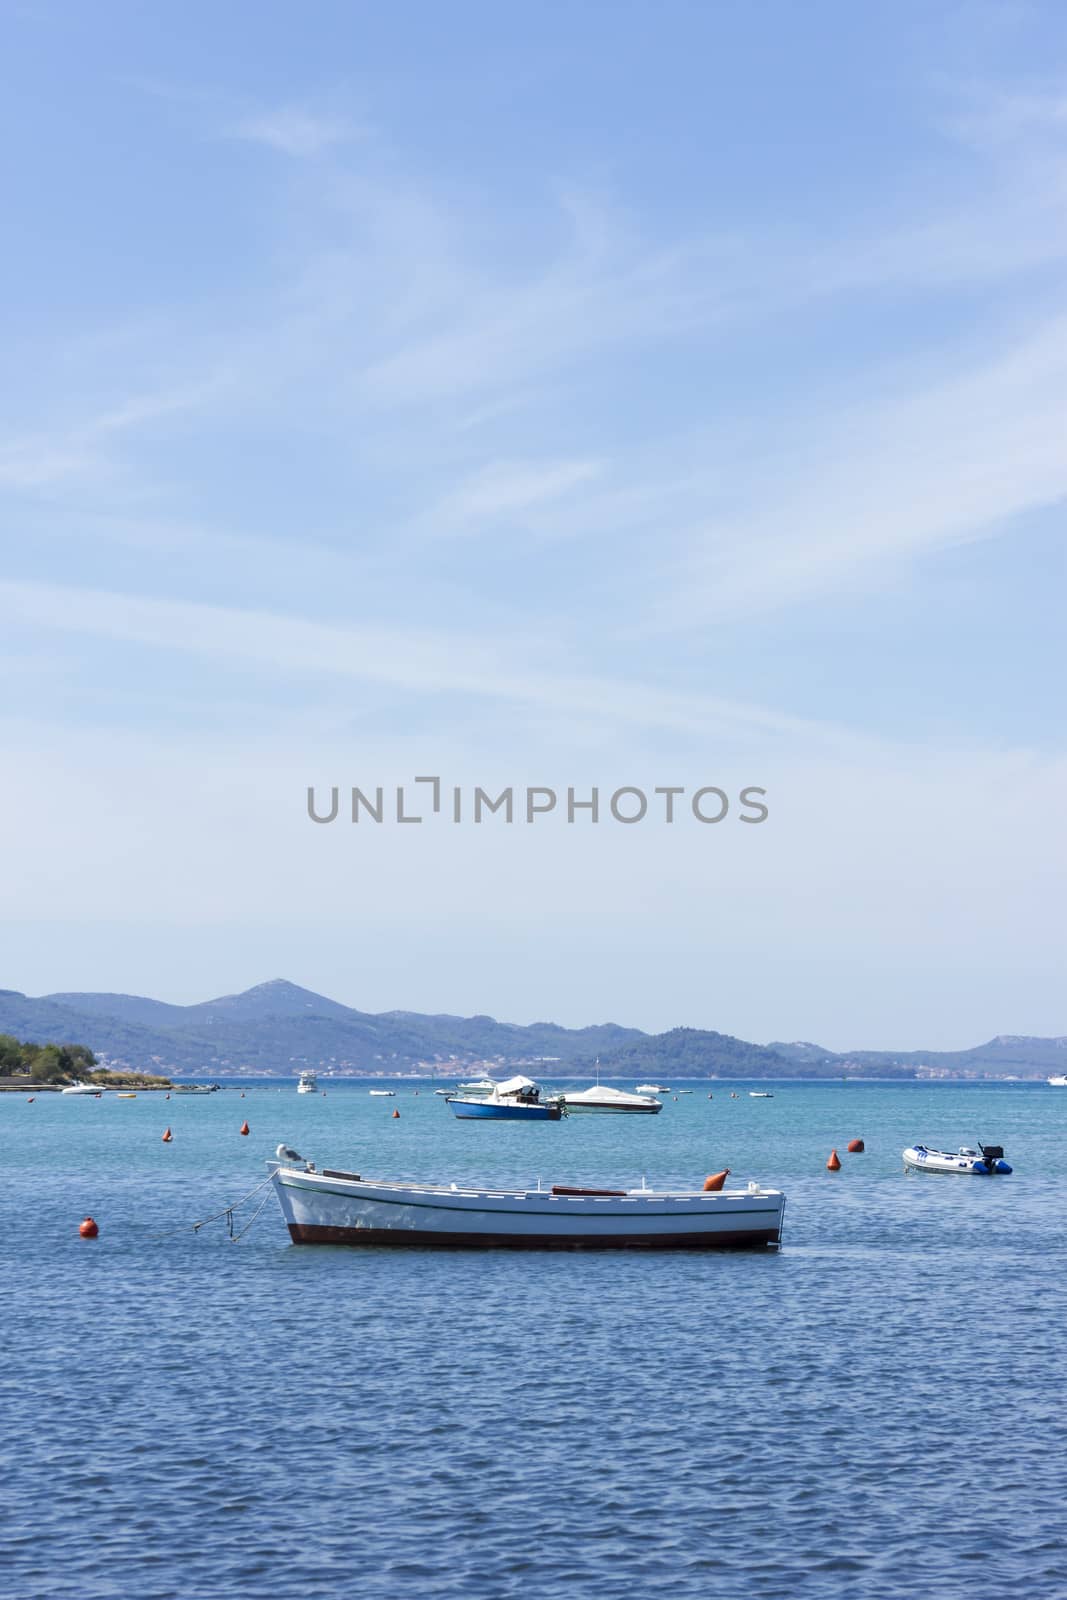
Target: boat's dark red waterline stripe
310,1233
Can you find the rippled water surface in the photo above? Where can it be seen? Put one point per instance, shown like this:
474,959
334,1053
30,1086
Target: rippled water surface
876,1410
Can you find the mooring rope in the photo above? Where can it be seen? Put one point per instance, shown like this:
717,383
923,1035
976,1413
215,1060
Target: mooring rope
234,1237
227,1212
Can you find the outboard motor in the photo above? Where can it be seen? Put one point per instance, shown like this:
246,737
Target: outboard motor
993,1158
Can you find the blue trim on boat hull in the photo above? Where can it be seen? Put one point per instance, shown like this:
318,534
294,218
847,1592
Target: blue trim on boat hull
471,1110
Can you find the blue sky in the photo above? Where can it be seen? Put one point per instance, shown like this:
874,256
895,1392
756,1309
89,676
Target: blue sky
568,395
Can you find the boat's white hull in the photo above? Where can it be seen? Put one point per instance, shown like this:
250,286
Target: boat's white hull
610,1107
1058,1082
333,1209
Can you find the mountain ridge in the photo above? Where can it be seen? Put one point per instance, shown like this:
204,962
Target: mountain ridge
277,1027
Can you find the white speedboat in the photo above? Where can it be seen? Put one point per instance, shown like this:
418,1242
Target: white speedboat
479,1086
337,1207
760,1094
1059,1080
307,1083
602,1098
383,1094
81,1088
652,1088
985,1162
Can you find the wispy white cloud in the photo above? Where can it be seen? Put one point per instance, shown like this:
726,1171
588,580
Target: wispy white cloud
389,309
79,448
953,461
507,487
415,661
297,132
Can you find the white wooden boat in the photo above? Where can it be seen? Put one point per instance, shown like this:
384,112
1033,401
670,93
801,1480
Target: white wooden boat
603,1098
307,1083
985,1162
338,1207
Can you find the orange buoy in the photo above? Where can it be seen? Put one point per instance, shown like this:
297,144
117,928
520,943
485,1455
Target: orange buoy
715,1182
167,1136
834,1163
396,1113
245,1128
88,1229
856,1147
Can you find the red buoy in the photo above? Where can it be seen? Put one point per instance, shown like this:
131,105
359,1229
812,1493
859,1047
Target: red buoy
396,1113
88,1229
834,1163
715,1182
856,1147
30,1098
245,1128
167,1137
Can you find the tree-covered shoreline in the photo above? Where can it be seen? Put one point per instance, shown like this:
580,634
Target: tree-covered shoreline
56,1066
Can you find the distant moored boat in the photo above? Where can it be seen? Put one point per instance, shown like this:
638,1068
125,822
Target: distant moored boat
985,1162
603,1098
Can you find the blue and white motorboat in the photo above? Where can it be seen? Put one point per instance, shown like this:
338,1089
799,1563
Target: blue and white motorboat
515,1100
985,1162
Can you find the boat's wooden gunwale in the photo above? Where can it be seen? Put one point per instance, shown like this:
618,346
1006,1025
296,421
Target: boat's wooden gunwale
367,1187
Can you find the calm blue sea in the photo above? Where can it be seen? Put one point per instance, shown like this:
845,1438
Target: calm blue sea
877,1410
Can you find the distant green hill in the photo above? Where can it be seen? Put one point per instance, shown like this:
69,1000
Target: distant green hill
693,1053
